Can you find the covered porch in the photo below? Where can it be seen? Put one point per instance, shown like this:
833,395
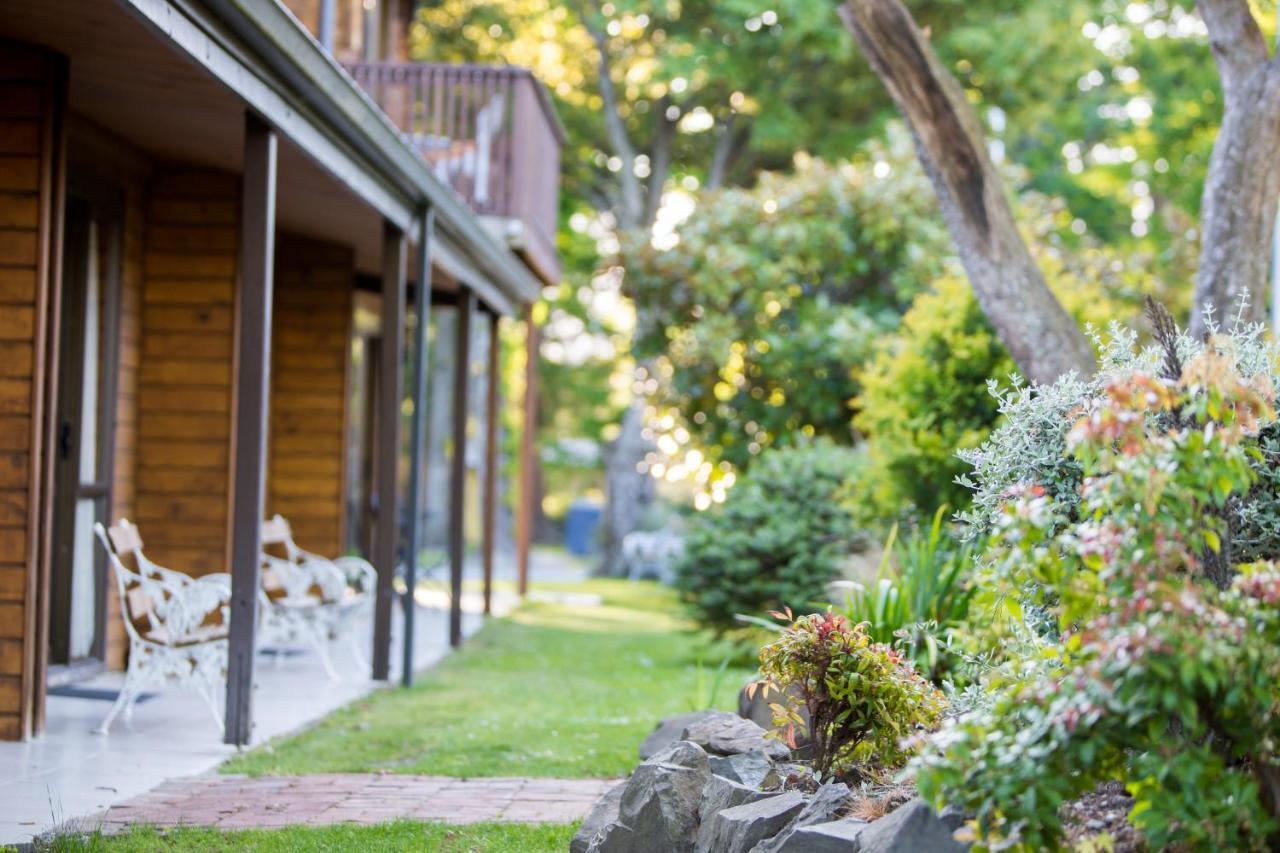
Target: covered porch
231,278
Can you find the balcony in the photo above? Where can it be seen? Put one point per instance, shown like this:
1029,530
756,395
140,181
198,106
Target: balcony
489,132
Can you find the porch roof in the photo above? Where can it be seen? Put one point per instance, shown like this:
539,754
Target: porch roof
175,76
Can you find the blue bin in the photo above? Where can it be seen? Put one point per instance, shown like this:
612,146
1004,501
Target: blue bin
580,525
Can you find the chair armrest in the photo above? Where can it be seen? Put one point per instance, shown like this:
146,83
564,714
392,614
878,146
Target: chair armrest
358,572
325,574
293,580
192,603
215,578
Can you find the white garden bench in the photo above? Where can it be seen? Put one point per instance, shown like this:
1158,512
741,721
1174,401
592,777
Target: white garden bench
311,598
177,624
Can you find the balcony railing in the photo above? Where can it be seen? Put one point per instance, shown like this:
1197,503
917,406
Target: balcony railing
491,133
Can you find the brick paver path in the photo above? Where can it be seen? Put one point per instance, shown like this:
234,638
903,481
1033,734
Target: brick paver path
238,802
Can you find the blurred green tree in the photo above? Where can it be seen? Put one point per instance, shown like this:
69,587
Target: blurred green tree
758,317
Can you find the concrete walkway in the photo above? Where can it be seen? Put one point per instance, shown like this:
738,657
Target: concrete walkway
72,772
238,802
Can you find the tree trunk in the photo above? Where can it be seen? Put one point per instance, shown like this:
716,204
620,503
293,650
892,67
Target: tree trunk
734,132
1238,204
1043,339
630,491
659,161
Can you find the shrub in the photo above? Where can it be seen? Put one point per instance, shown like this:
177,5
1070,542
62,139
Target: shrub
924,395
1030,446
862,698
1158,664
921,593
928,392
779,538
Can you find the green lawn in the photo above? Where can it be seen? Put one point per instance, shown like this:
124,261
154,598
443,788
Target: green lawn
555,689
401,835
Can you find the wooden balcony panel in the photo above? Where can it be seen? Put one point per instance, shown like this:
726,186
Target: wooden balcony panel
490,133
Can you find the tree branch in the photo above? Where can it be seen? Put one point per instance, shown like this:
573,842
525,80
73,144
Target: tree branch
1237,43
632,208
1042,338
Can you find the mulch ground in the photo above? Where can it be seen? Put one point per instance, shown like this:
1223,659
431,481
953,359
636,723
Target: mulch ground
1103,811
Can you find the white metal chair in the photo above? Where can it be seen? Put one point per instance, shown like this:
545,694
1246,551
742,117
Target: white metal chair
177,624
313,598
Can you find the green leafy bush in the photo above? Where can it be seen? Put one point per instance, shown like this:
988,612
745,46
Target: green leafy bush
921,593
1030,445
861,698
779,538
925,395
1159,663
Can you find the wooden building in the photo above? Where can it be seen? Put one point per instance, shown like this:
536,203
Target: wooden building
195,195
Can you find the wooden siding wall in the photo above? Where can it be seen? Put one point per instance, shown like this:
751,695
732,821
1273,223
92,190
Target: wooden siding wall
29,161
311,331
184,379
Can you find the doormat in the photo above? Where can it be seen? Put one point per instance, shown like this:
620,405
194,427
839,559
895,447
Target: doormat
103,694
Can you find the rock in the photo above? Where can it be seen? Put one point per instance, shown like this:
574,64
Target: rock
952,817
721,794
603,813
723,733
756,708
659,806
792,775
826,805
669,732
747,768
738,829
838,836
910,828
754,705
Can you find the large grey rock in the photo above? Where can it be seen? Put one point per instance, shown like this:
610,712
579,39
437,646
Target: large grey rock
669,732
723,733
603,813
720,794
659,806
738,829
910,828
827,804
952,817
747,768
839,836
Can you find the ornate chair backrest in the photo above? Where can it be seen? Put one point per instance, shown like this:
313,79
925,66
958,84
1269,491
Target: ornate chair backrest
277,539
289,570
146,600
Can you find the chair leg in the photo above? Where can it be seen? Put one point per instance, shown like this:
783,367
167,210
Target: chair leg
320,642
353,643
209,694
124,702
